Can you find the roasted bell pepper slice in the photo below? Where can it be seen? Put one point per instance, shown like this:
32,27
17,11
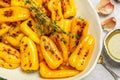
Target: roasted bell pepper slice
82,54
9,57
14,36
4,29
79,28
68,8
26,28
50,52
12,14
14,41
46,72
40,54
54,7
65,25
29,55
61,44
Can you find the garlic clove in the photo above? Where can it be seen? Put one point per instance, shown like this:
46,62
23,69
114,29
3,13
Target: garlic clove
105,7
109,23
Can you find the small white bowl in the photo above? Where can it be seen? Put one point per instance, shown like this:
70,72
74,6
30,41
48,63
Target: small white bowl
106,46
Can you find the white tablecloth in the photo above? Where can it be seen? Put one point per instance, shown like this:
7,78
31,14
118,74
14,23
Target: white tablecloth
99,72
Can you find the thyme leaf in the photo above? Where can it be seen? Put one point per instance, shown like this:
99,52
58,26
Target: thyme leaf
52,51
64,41
33,8
81,18
2,78
77,36
27,2
30,71
42,32
42,21
38,15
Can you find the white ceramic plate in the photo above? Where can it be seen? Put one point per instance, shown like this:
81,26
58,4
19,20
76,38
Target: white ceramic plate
86,10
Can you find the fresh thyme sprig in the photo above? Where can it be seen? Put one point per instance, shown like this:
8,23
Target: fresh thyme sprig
44,24
27,2
42,19
2,78
81,18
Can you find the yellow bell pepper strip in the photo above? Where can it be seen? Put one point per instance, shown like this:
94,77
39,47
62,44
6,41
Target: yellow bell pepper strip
12,14
14,41
15,28
68,8
29,55
54,7
65,25
40,54
65,52
82,54
8,65
46,72
25,27
9,57
61,44
79,28
50,52
4,29
14,36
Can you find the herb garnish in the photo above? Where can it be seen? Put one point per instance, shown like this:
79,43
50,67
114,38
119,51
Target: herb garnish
77,36
2,78
27,2
52,51
63,40
81,18
45,26
46,46
42,20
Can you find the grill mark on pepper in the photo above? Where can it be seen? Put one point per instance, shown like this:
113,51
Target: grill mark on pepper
83,25
86,54
7,1
2,65
29,23
10,65
25,65
12,24
8,13
57,56
25,45
79,51
30,64
28,53
2,59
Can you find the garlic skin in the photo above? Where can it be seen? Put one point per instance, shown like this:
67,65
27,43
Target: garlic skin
105,7
108,24
117,0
